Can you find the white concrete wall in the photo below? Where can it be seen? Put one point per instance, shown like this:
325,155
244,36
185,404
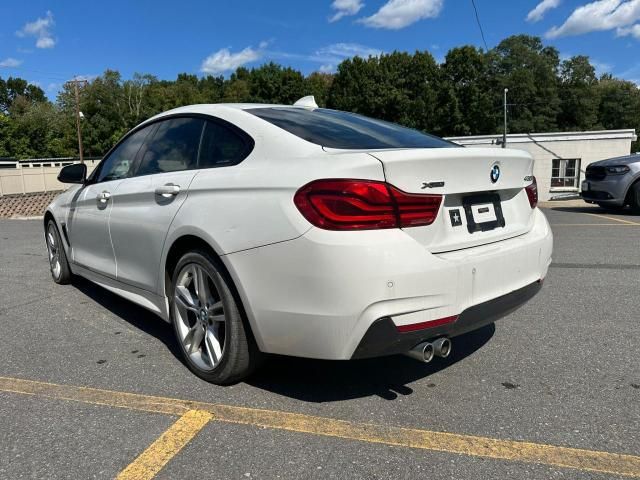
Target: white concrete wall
29,179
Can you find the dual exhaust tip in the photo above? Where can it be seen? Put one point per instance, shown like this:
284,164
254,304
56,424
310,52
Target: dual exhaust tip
425,351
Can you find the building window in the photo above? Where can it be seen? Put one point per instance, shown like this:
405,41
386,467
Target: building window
565,173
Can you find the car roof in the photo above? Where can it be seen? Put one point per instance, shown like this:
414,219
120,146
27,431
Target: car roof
215,109
212,108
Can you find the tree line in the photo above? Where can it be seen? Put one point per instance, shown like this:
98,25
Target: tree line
463,95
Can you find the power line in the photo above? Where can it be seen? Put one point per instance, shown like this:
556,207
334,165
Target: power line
475,9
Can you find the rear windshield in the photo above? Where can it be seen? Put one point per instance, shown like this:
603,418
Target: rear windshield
335,129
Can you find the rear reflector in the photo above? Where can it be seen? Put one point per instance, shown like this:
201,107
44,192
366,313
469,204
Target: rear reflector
339,204
423,325
532,193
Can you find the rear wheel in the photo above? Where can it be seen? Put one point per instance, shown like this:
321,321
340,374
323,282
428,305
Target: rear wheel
60,270
208,324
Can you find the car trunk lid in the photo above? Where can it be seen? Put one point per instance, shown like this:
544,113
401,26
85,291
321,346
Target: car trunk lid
483,190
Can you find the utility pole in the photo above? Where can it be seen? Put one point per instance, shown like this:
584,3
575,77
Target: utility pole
78,114
504,133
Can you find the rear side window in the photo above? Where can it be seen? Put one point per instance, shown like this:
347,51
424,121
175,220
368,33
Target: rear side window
221,146
173,147
120,162
335,129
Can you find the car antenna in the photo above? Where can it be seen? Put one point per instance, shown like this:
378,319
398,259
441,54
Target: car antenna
307,102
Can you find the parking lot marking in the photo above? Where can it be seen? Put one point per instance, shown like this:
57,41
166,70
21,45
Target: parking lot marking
621,220
566,457
174,439
595,225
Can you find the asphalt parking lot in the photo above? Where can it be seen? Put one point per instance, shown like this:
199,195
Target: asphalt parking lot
91,385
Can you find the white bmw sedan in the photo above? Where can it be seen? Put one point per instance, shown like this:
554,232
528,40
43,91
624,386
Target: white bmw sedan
302,231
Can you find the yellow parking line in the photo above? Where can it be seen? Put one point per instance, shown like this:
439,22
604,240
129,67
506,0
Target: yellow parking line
621,220
580,459
151,461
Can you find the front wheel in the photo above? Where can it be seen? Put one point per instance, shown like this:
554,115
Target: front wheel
58,264
634,198
213,337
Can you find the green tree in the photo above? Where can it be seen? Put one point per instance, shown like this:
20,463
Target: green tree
529,70
272,83
578,93
619,105
398,87
15,88
318,84
466,85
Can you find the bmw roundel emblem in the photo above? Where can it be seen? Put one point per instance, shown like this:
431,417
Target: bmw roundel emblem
495,173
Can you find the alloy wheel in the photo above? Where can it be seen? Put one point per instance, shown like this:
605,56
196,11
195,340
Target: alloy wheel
54,252
200,317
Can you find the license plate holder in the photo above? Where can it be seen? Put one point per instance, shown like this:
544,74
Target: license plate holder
478,210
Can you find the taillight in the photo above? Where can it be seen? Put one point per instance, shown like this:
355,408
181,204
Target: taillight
532,193
338,204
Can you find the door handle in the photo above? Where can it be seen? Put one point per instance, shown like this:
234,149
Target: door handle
104,196
168,190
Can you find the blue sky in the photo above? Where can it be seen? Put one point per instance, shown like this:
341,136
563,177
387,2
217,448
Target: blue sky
48,42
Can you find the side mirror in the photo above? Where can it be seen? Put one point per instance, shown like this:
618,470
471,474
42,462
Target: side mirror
76,173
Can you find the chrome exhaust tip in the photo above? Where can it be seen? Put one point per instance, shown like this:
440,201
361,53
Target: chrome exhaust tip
423,352
442,347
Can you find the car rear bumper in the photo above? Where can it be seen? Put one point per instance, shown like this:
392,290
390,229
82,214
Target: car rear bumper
383,337
319,295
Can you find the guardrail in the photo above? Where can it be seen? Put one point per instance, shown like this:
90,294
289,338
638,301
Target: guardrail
35,175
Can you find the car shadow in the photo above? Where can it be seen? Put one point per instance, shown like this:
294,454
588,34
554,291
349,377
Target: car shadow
594,209
135,315
386,377
304,379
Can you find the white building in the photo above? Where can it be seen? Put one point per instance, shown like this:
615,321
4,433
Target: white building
560,158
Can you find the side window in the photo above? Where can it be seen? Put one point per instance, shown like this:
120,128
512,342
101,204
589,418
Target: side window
173,147
119,163
221,146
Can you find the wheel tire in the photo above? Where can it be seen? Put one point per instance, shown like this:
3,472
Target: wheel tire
634,198
58,263
236,355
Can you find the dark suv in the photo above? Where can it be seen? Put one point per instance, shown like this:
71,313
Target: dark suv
613,183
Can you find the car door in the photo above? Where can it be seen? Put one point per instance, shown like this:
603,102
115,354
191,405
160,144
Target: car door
145,204
87,221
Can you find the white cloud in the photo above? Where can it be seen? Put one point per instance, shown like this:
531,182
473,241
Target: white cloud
45,42
600,15
328,55
633,30
327,68
41,30
85,78
345,8
345,50
397,14
225,61
632,74
601,67
543,7
10,63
